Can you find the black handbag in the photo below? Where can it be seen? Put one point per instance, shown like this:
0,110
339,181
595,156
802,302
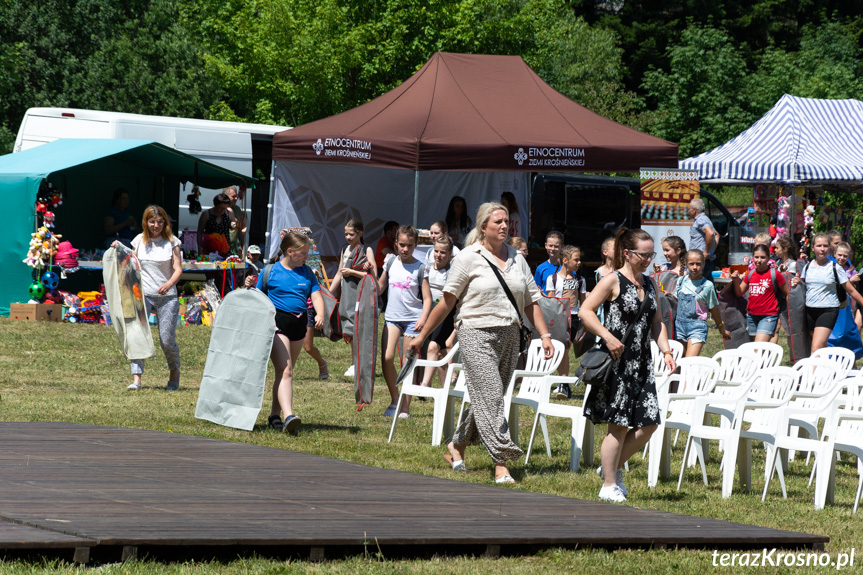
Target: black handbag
525,334
595,366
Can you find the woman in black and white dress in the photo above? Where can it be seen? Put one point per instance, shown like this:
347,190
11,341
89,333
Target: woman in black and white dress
627,402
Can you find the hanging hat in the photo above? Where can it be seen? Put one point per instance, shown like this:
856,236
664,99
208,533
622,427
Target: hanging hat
67,256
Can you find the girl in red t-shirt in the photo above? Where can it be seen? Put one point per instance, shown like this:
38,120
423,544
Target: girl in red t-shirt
763,308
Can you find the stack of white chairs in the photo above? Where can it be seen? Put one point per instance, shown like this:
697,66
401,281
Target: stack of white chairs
843,432
442,407
757,404
697,377
534,389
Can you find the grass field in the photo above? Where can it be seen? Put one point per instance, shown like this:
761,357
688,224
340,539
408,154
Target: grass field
76,373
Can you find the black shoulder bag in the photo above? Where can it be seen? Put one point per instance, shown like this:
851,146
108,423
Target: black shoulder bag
524,333
595,366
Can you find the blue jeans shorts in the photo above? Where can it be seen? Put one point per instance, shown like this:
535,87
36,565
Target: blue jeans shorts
691,330
765,324
408,328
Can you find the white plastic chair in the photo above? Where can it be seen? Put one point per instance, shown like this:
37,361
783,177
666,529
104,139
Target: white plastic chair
696,378
770,353
532,392
438,395
457,390
788,439
819,377
736,367
658,358
660,372
757,404
841,356
845,435
581,434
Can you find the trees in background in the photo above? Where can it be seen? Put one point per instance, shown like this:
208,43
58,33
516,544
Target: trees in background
691,71
709,93
294,61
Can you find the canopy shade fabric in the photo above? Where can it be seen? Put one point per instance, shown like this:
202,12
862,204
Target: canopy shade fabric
136,155
798,140
87,171
467,112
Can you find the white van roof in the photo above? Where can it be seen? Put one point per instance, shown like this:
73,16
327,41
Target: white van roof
99,115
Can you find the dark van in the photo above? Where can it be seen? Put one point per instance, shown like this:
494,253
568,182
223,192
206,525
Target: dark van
587,209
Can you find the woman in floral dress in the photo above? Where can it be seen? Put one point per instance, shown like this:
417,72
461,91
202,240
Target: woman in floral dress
628,401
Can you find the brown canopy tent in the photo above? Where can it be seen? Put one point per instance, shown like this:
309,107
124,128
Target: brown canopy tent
459,113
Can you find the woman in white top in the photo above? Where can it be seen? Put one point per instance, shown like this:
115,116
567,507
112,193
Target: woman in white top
158,250
827,287
488,329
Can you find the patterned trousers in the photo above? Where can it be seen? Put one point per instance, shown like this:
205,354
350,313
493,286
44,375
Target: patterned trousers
489,356
167,310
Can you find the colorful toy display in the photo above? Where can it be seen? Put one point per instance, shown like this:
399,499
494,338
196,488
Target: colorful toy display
44,244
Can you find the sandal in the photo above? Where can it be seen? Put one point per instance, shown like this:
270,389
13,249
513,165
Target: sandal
456,465
275,422
324,373
505,479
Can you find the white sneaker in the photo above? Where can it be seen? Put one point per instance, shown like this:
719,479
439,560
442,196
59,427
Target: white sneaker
350,372
618,479
134,386
612,493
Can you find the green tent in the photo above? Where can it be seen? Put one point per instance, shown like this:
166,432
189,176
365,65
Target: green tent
87,172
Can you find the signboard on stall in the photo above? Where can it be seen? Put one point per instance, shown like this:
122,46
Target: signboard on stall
665,197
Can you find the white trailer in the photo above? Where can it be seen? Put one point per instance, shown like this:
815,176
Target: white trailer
239,147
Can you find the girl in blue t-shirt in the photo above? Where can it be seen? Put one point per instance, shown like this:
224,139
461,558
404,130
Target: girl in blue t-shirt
289,283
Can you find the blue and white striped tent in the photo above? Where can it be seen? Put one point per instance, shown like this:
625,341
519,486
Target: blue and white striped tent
799,140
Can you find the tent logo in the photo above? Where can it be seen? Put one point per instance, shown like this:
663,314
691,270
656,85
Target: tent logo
520,156
318,147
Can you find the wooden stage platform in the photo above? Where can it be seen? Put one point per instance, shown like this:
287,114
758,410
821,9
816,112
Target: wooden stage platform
119,493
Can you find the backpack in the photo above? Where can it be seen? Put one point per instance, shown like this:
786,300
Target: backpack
268,269
841,294
420,275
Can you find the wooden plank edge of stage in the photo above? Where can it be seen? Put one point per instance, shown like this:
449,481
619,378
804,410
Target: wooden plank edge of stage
47,531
